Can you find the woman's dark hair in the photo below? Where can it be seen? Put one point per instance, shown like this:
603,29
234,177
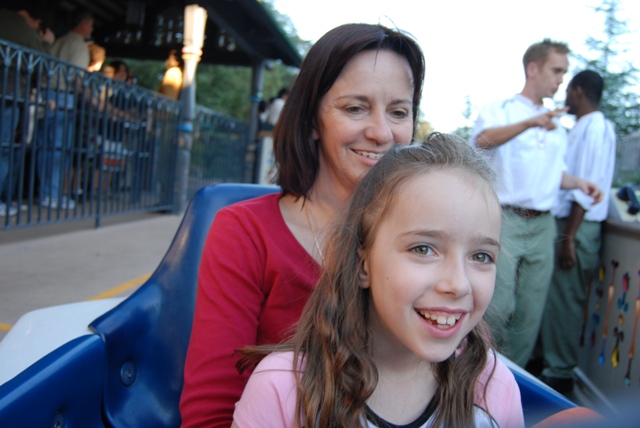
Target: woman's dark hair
296,154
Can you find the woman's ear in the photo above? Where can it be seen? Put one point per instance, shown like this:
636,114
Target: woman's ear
363,271
315,135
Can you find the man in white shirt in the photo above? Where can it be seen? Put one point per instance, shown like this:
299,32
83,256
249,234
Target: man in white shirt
590,155
526,147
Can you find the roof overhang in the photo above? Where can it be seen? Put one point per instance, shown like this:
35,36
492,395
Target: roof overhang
238,32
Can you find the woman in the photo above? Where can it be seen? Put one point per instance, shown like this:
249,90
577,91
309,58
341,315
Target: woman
357,95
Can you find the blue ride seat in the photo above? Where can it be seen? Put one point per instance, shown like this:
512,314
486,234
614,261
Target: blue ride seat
62,389
538,400
131,373
147,335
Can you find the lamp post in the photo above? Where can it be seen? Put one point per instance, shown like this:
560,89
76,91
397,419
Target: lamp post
195,19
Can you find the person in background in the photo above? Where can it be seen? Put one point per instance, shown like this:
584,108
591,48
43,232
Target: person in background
591,155
276,105
393,335
72,47
357,95
91,127
264,129
113,147
526,146
27,24
55,131
21,26
46,34
117,70
171,83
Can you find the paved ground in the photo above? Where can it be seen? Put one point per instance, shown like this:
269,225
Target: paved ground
52,265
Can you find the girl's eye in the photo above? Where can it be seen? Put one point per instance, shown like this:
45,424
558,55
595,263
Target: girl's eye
423,250
482,258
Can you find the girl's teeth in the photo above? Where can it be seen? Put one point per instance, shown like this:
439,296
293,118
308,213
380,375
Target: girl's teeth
441,320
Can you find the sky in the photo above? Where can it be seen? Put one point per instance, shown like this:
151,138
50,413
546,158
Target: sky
472,48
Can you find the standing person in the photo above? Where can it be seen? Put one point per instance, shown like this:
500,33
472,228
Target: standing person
113,147
591,155
24,24
117,70
356,96
54,133
171,83
393,335
21,26
72,47
276,105
526,145
90,127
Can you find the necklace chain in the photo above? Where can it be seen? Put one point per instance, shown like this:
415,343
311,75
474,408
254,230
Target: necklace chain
313,232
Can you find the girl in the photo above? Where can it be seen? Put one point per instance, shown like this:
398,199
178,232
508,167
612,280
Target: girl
393,335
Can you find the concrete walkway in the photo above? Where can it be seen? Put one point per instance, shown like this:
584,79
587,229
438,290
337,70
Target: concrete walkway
53,265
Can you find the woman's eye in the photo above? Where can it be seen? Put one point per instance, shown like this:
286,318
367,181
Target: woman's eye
354,109
482,258
423,250
400,114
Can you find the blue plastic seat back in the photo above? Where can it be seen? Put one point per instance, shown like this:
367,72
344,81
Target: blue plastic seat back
62,389
538,400
147,335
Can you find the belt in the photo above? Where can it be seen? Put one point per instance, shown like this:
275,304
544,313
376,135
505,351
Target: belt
524,212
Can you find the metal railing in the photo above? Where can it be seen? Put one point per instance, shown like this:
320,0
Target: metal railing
76,145
628,160
217,139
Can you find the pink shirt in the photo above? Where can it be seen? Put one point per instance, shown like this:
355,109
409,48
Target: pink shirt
269,400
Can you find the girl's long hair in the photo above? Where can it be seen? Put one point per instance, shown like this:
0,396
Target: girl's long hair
333,341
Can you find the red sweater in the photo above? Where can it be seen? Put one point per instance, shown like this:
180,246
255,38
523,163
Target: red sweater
254,280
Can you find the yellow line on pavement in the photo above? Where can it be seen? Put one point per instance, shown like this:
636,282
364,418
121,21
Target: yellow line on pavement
109,293
120,288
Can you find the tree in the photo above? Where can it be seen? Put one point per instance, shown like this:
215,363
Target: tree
284,21
619,103
464,132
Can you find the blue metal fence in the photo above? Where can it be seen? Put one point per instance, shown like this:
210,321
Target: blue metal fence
220,152
76,145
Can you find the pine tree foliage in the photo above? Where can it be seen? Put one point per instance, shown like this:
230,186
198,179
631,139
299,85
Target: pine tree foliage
464,132
620,102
